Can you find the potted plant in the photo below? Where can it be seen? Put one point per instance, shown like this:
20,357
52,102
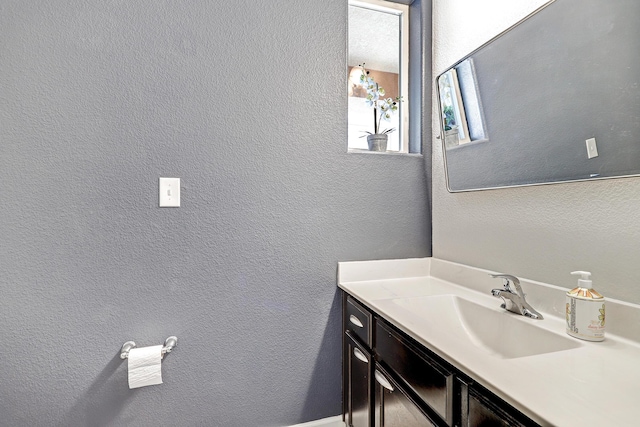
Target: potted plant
383,109
451,138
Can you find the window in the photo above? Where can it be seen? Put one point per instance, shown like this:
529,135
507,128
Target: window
453,113
379,39
461,109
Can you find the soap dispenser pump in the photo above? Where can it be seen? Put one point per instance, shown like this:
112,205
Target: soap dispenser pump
585,310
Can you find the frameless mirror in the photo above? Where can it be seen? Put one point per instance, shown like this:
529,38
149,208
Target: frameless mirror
555,98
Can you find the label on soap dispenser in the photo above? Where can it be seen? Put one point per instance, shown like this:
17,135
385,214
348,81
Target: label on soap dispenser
585,318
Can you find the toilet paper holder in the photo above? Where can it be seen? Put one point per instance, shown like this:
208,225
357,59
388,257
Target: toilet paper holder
169,344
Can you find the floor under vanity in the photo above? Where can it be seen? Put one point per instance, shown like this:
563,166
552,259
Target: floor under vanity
426,343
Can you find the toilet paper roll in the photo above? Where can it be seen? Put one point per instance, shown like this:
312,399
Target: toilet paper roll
145,366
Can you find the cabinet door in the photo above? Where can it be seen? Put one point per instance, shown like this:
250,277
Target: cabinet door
393,408
358,393
420,373
478,409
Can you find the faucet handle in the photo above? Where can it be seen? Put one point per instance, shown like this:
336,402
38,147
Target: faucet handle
509,278
506,277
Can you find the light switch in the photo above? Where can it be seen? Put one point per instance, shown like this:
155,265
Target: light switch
592,148
169,192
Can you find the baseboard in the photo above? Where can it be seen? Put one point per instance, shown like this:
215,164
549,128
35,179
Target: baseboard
325,422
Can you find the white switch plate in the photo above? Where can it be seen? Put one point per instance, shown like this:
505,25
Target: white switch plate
169,192
592,148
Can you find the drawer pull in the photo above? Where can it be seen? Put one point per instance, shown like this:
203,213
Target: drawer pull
383,381
353,319
360,355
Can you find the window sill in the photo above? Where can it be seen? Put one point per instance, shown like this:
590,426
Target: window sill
467,144
391,153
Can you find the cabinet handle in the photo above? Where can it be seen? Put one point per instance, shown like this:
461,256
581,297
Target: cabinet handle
383,381
353,319
360,355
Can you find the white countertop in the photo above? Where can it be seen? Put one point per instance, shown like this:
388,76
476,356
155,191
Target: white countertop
593,384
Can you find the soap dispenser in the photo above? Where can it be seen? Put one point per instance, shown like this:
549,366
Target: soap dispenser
585,310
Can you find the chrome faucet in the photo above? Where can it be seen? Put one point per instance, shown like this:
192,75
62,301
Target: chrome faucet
514,301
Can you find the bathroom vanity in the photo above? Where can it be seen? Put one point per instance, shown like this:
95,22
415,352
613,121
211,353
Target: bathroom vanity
412,386
426,344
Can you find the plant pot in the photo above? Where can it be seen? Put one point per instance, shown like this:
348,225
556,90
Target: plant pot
377,141
451,138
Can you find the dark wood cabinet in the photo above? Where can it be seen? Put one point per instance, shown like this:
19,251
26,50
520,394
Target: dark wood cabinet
359,321
393,407
358,370
479,408
417,371
390,380
357,365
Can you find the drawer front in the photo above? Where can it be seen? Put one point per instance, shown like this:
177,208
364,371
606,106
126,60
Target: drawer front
358,321
425,377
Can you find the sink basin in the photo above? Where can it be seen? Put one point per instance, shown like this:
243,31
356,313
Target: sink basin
499,332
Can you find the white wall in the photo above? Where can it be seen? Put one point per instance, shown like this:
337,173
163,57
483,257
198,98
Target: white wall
541,232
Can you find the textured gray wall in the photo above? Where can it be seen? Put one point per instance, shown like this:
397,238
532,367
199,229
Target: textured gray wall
244,101
543,232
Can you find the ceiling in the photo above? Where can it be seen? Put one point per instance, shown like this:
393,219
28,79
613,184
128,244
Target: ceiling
374,38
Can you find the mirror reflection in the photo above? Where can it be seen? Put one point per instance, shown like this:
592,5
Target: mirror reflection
462,116
555,98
